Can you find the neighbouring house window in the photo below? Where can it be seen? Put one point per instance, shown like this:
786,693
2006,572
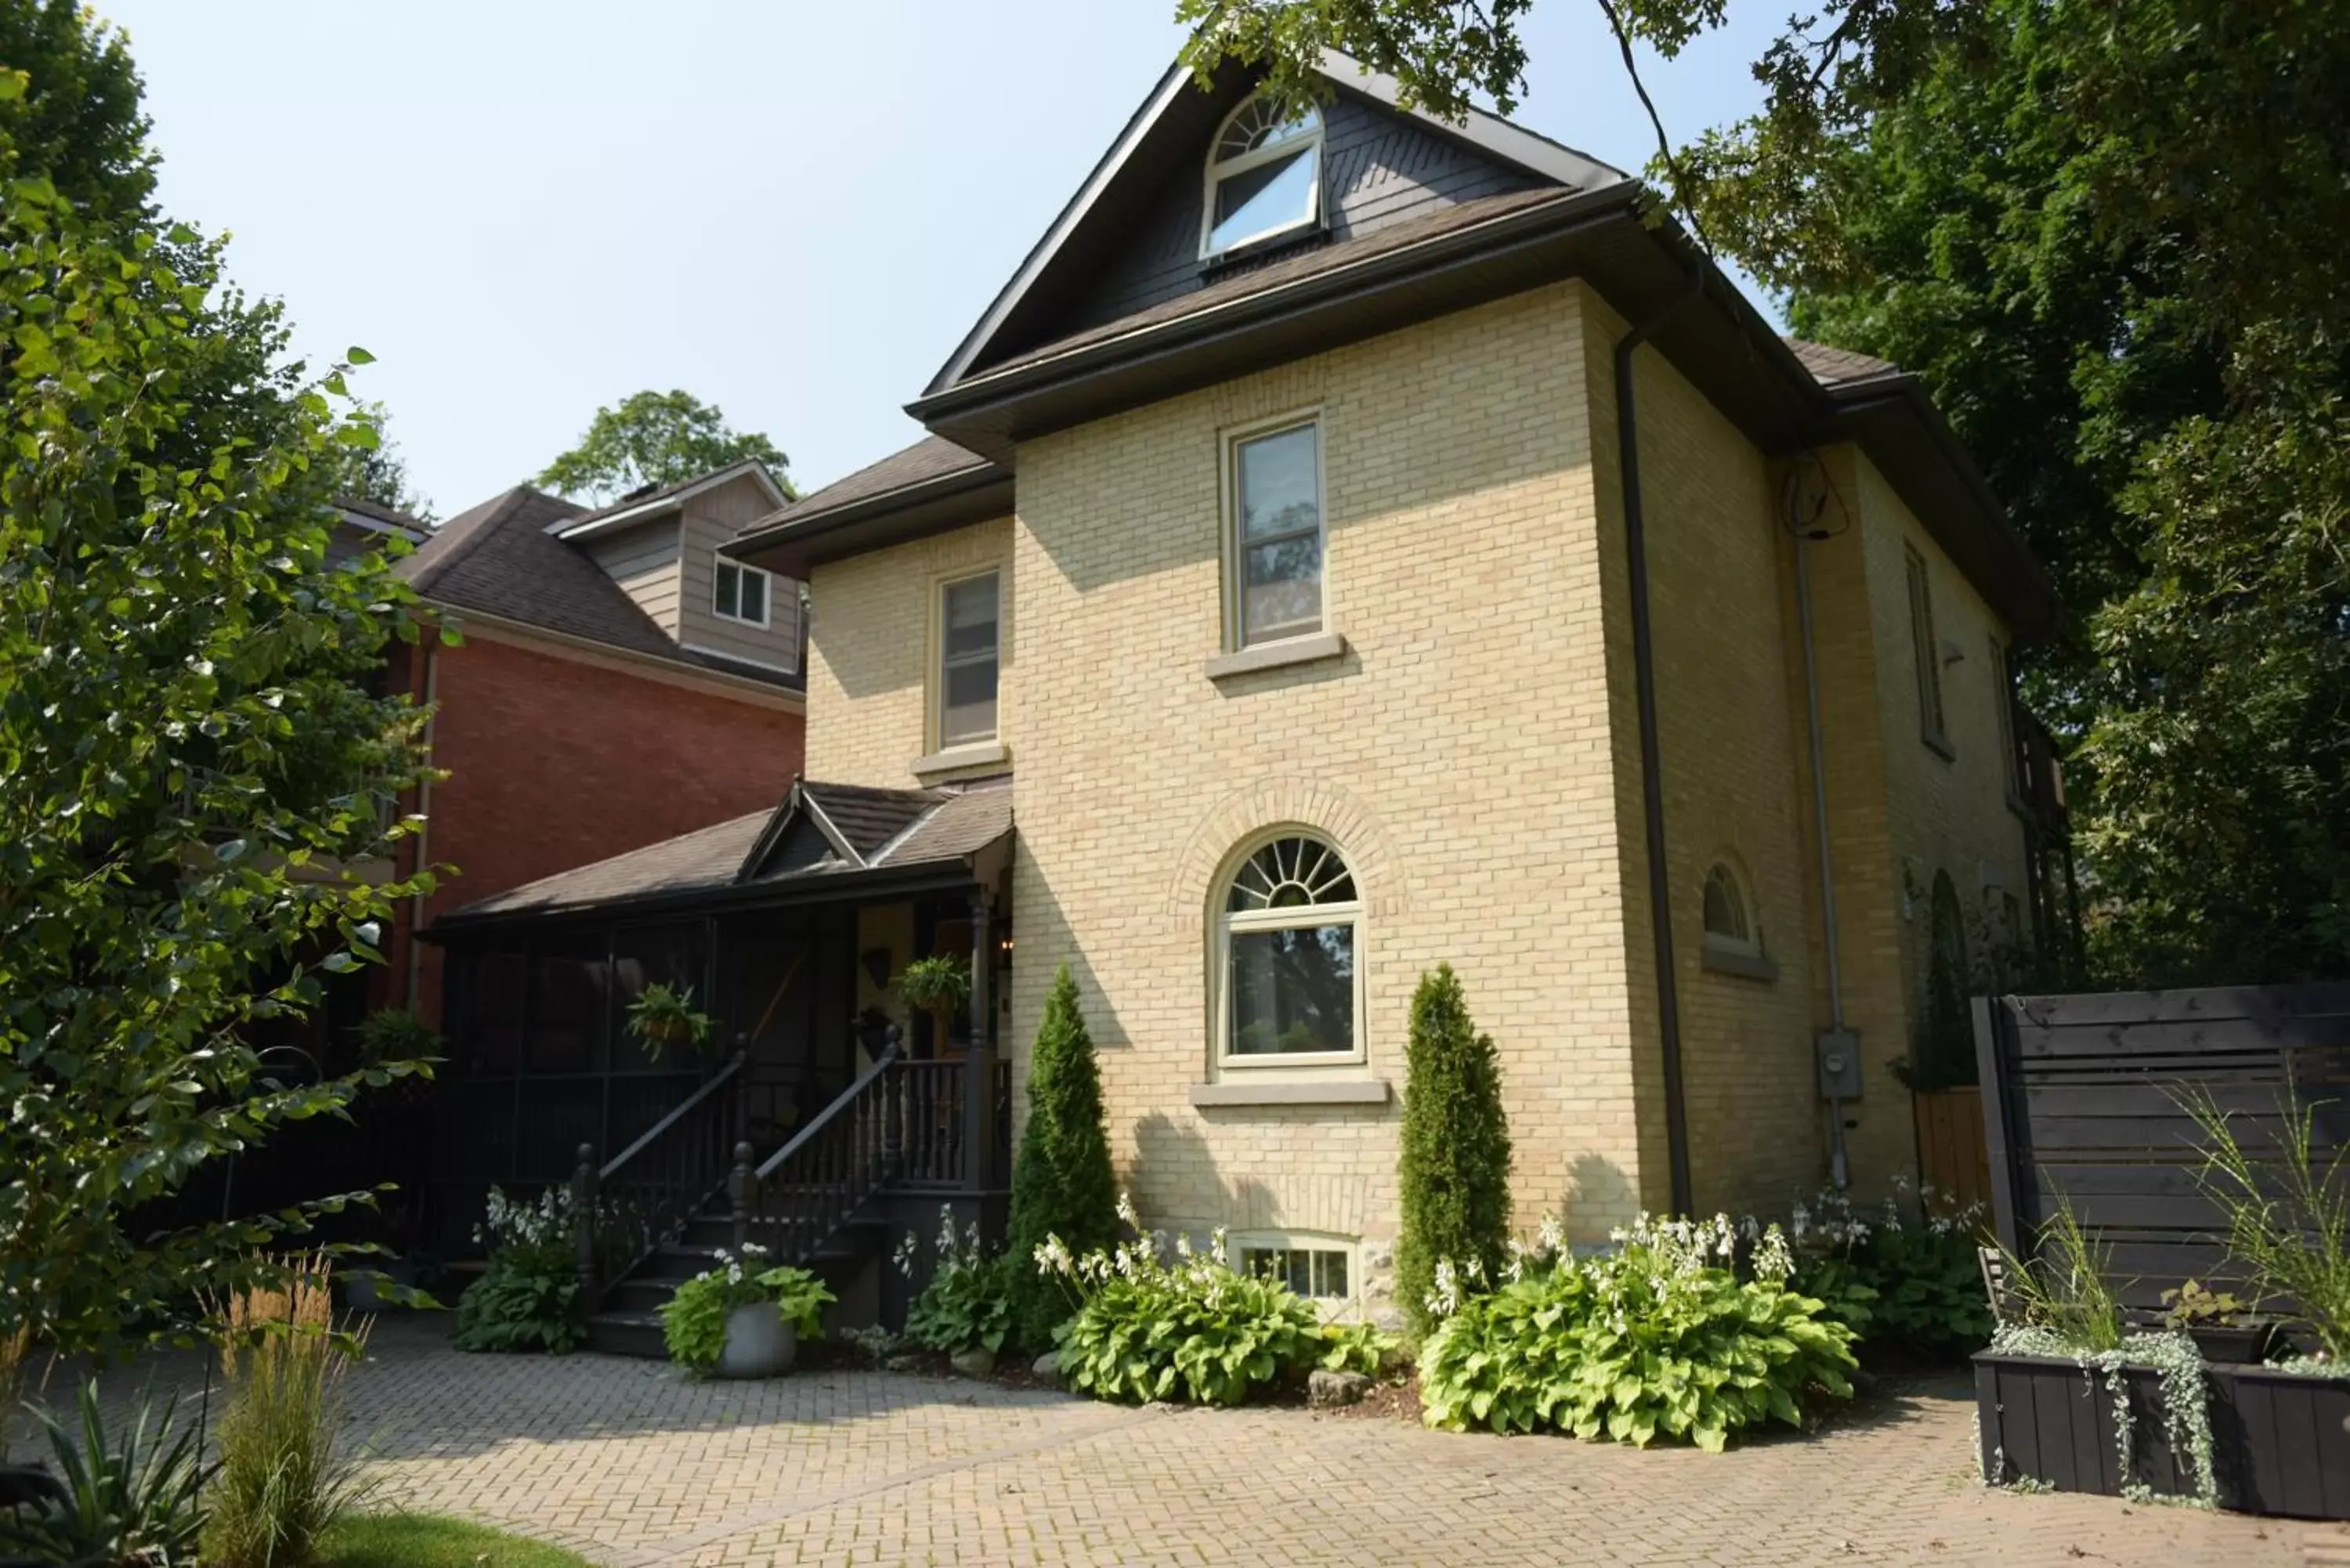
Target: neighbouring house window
1287,931
1264,177
1317,1268
1277,505
740,593
967,661
2003,696
1927,652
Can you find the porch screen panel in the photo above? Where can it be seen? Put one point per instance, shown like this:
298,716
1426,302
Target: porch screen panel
489,1038
569,981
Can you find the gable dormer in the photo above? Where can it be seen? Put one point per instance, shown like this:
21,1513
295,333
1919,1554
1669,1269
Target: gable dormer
1207,185
660,545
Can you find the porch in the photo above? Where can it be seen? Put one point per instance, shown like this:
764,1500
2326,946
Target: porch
822,1118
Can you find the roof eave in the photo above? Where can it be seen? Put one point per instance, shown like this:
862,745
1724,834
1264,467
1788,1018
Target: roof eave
891,517
859,884
662,505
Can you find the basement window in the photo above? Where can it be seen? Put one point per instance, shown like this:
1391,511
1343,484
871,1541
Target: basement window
1319,1268
740,593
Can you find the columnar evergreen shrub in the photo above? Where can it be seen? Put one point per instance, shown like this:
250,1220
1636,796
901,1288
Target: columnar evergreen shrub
1061,1184
1455,1167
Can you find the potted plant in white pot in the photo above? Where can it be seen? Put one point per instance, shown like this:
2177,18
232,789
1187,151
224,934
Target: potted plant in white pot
738,1320
663,1018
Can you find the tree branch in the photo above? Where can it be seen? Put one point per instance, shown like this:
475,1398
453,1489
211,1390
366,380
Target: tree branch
1664,143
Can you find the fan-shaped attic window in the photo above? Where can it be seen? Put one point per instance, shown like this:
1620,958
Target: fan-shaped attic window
1264,177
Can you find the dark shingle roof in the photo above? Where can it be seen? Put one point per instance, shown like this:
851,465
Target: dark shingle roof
499,559
1830,366
1293,268
923,827
932,457
652,495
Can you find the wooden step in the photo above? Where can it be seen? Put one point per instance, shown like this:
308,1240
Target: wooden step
637,1334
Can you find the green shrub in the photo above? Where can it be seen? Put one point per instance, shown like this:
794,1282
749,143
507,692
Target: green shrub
1358,1347
966,1304
285,1478
694,1320
1062,1186
1191,1330
1660,1338
509,1309
1893,1280
1455,1167
131,1500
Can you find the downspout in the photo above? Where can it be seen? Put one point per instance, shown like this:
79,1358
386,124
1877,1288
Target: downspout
431,646
1839,1168
1652,788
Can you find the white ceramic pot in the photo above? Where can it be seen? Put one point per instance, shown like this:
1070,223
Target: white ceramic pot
760,1343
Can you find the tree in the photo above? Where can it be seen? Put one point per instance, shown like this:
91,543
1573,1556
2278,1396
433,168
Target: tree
1454,1172
191,769
377,474
2106,236
1061,1184
656,438
78,121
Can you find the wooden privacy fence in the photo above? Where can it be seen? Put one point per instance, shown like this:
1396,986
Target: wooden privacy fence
2081,1104
1952,1158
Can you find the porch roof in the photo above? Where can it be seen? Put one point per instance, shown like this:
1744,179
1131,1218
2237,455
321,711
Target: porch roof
833,840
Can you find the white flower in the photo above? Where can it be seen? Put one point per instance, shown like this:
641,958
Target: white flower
1053,1257
1126,1211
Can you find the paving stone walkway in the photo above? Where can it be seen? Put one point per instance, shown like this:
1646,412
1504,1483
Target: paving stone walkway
631,1465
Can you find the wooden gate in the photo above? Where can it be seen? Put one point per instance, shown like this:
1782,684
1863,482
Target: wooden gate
2081,1106
1952,1158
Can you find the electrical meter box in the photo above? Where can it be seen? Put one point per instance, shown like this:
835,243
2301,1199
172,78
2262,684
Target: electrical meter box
1839,1057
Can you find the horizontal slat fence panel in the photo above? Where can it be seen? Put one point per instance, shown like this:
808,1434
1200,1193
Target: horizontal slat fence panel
2084,1102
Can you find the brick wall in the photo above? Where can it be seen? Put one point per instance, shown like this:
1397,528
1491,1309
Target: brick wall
554,763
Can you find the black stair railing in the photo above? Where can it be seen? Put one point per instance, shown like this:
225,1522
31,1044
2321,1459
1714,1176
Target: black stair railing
793,1202
659,1182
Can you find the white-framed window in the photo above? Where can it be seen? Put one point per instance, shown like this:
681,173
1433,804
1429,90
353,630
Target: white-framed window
1728,918
1275,544
742,593
1264,177
1927,650
968,616
1322,1269
1288,927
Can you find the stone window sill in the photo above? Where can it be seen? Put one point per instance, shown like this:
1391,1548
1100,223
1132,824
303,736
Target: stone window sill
1281,655
1292,1091
985,753
1745,966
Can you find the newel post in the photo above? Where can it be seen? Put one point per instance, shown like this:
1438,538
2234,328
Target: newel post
738,1188
583,1221
979,1161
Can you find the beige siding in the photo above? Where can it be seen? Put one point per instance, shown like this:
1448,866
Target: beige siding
1458,753
711,520
871,670
644,561
1731,734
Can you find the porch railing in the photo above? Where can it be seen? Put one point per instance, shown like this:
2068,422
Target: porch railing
659,1182
904,1125
793,1202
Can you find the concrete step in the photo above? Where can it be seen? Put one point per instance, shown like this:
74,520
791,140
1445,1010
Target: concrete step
635,1334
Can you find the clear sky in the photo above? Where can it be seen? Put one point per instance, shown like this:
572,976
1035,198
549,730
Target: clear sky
526,208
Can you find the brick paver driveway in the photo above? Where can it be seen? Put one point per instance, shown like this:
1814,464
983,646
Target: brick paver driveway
629,1464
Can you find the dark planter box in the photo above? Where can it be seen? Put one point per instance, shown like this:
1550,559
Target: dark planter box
2048,1420
2247,1344
2280,1444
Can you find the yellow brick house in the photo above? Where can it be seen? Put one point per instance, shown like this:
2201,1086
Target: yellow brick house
1353,542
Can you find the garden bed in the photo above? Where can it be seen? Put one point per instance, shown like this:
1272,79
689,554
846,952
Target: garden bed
2280,1442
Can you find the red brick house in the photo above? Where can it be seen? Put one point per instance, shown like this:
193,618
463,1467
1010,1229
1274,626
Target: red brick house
617,685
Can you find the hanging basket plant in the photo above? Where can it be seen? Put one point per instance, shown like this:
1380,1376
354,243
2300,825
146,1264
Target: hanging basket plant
663,1018
937,985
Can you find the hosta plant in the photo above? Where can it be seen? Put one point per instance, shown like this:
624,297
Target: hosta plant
1893,1279
1155,1322
966,1304
528,1297
694,1320
1660,1338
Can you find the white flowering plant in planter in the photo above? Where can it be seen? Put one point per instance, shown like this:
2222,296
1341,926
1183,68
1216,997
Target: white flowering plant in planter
1661,1337
1159,1322
694,1320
